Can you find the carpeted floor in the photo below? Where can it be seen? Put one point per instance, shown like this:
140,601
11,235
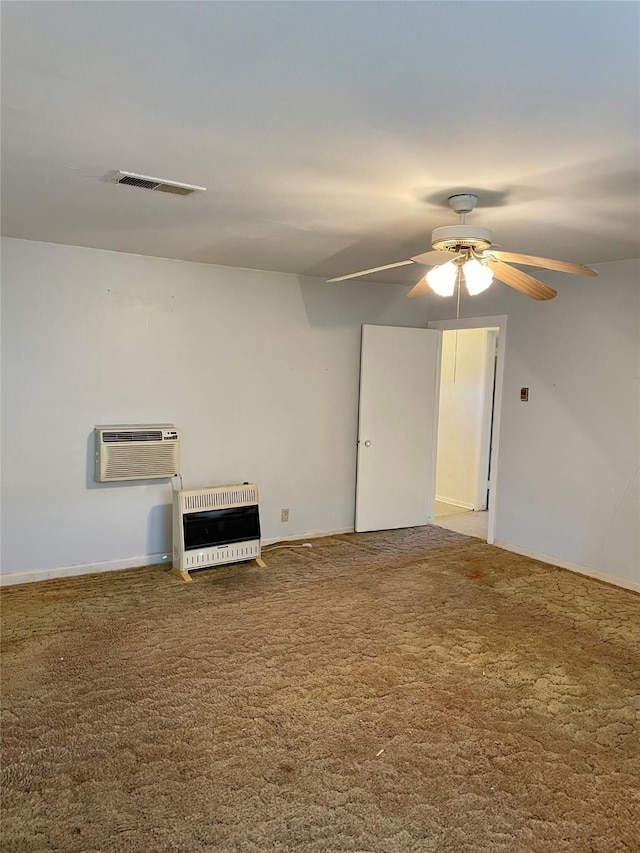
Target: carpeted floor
412,690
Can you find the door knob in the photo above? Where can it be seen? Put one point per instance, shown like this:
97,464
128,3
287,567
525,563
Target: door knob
367,444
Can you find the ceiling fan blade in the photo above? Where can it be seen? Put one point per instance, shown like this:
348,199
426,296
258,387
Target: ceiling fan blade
373,269
435,258
521,281
545,263
419,289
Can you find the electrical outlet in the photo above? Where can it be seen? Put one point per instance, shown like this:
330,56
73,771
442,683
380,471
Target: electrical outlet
284,515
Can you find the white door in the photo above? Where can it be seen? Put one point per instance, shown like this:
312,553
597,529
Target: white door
399,383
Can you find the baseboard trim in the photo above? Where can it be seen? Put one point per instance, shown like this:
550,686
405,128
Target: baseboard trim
137,562
156,559
86,569
453,502
572,567
313,534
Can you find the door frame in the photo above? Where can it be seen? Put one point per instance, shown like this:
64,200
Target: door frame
490,371
498,321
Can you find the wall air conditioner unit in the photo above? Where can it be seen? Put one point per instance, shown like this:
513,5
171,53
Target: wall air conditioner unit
136,452
214,526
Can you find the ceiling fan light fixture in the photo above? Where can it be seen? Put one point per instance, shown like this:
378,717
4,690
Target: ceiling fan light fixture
469,251
477,277
442,279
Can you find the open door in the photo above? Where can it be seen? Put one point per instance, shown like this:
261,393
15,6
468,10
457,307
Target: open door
397,431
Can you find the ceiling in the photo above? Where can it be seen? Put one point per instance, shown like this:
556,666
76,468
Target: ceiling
328,134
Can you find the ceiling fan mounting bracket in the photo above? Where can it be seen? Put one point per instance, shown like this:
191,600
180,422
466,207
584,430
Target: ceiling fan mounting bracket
463,202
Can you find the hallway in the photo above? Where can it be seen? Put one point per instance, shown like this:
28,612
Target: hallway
461,520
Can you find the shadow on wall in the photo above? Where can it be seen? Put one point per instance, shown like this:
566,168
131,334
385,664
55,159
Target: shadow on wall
159,530
346,304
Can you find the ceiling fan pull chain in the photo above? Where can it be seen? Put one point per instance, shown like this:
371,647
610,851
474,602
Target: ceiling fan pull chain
455,351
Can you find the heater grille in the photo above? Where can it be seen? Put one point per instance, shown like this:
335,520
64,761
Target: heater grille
219,498
222,554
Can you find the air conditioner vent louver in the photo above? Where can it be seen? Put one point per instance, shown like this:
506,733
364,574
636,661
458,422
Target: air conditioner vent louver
137,435
160,185
126,453
148,462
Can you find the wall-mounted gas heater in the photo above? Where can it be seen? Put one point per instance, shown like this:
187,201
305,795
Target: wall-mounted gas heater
136,452
214,526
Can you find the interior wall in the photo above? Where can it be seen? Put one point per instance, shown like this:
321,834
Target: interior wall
258,370
461,415
568,464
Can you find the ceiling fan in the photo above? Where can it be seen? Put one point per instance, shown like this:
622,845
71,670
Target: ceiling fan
464,250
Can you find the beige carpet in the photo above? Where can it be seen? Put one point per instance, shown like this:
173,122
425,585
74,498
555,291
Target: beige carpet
404,691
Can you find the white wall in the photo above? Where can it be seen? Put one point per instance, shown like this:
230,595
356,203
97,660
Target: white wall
569,458
461,416
258,370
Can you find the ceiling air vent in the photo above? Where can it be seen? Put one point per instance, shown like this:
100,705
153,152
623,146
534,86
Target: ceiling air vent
159,185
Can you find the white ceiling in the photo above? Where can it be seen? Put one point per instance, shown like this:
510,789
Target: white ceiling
328,134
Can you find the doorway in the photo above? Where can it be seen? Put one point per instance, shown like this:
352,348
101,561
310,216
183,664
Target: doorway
470,398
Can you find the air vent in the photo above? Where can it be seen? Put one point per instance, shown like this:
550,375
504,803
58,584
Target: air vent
136,452
137,435
145,182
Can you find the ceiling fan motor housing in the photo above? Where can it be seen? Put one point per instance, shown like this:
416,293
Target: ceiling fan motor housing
456,238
